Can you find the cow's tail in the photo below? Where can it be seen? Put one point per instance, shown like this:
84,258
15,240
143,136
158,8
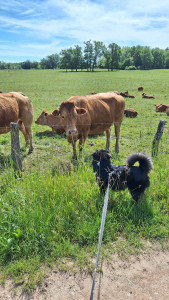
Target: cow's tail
145,162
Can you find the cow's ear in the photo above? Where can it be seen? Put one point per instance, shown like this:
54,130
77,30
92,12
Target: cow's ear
55,112
81,111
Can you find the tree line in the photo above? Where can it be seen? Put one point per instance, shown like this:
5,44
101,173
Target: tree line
96,55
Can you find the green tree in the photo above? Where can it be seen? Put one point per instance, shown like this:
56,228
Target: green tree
138,57
88,55
66,59
166,54
77,57
107,58
158,58
115,53
26,65
2,65
44,63
54,60
147,59
127,62
97,53
102,63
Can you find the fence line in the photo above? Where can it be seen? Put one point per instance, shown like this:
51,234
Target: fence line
87,124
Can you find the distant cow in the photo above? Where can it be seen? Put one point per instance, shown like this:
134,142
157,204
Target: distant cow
140,88
130,113
147,96
17,108
161,107
126,94
167,111
50,120
91,114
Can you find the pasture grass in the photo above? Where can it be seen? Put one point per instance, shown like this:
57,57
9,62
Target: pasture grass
51,215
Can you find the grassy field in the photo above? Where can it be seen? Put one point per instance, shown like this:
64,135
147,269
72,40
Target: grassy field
52,214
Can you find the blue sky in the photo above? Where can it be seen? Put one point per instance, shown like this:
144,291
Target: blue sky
34,29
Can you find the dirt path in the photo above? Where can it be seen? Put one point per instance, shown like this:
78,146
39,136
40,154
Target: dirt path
142,277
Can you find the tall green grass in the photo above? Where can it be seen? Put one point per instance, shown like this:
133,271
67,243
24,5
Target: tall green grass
54,211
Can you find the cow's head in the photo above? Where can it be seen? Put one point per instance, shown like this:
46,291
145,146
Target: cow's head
69,117
41,120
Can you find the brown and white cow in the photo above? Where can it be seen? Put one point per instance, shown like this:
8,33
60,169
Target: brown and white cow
16,107
130,113
140,88
91,114
147,96
167,111
50,120
161,107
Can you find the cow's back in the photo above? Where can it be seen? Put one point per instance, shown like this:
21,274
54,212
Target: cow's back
25,107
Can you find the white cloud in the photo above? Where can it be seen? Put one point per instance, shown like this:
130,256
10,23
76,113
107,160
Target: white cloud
45,22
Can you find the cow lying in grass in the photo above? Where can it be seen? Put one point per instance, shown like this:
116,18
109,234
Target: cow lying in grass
161,107
126,94
91,114
16,107
50,120
130,113
147,96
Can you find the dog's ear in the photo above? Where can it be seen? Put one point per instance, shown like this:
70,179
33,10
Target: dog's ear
108,155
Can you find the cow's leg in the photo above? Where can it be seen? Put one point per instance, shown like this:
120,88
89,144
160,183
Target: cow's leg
81,144
22,128
29,137
74,150
117,134
108,138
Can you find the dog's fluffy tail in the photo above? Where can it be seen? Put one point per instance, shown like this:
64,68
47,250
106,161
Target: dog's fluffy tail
145,162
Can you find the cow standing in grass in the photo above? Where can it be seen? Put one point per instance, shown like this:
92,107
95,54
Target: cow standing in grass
91,114
16,107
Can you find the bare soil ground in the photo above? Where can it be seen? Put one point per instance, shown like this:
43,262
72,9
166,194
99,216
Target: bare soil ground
140,277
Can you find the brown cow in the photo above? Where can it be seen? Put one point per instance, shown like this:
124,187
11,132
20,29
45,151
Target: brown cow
50,120
126,94
17,108
167,111
130,113
161,107
140,88
91,114
147,96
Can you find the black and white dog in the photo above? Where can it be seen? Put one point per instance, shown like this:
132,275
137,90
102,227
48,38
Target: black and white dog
135,178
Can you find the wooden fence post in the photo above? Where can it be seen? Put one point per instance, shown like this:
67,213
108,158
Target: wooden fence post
157,137
15,148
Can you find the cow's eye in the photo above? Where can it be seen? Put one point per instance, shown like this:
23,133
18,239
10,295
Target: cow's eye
62,117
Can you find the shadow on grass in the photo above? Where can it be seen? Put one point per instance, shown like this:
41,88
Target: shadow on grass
5,161
137,213
49,133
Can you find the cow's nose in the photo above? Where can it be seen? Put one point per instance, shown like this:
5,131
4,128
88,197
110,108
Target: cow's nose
72,132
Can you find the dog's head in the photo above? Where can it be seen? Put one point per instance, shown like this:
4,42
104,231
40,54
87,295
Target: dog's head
101,154
100,157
